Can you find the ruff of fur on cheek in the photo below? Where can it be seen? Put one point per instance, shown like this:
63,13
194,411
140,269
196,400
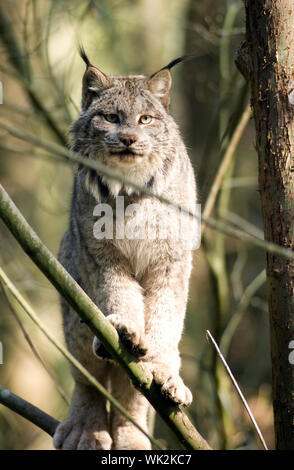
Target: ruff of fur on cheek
142,172
91,183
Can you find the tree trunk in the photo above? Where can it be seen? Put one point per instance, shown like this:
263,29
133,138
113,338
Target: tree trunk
269,69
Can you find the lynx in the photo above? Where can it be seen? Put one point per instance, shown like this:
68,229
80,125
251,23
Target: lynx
140,284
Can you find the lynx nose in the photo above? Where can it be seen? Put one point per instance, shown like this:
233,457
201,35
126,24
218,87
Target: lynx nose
127,139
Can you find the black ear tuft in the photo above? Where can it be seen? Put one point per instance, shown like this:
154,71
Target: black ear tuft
94,81
159,83
183,58
174,62
84,56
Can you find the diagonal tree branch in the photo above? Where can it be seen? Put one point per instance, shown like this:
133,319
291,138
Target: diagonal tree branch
28,411
99,325
227,158
104,170
29,311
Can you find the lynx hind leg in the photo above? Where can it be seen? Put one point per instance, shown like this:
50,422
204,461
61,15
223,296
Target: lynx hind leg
86,427
125,435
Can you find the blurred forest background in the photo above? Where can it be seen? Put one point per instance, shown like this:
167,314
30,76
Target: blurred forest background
41,71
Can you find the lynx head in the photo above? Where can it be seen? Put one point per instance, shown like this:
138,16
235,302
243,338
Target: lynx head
125,123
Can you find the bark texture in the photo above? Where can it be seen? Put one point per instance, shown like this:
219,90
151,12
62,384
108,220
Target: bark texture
270,71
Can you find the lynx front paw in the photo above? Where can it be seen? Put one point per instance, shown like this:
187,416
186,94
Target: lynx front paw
130,334
75,434
171,385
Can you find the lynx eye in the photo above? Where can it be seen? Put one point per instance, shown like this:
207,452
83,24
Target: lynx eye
145,119
113,118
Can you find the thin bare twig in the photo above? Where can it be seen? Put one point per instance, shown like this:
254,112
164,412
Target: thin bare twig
238,389
242,224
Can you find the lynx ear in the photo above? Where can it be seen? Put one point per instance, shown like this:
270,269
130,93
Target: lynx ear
160,84
94,81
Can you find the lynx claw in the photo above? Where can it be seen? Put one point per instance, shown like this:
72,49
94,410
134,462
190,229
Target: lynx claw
172,386
129,334
99,350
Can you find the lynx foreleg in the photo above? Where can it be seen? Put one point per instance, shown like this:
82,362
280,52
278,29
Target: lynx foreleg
165,304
